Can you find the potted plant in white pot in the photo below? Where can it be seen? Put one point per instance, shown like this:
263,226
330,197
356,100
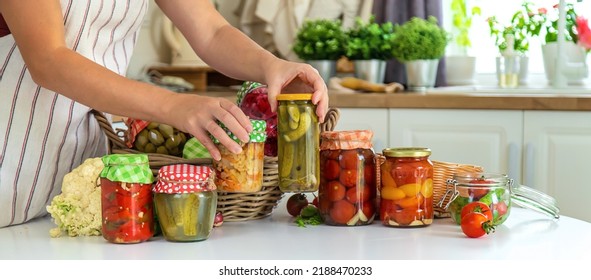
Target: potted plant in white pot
321,43
420,44
460,67
369,46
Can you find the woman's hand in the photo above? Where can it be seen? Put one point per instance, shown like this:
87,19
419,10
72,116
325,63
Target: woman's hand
198,115
291,77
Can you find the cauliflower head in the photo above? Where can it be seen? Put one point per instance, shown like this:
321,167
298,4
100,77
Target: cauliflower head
77,209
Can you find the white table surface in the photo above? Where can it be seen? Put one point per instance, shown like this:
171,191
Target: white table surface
526,235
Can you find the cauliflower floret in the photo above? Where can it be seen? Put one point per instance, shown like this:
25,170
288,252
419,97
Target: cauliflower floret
77,210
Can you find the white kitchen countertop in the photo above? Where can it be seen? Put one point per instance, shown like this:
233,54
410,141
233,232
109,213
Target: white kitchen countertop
526,235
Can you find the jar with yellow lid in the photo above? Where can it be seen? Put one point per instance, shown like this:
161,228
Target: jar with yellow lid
242,172
406,191
185,200
298,143
347,191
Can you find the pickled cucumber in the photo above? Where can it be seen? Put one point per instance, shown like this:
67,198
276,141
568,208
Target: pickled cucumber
287,159
303,126
294,116
191,215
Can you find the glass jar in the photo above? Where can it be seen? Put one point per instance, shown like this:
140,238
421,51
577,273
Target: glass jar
406,192
126,198
347,191
298,143
242,172
498,192
185,200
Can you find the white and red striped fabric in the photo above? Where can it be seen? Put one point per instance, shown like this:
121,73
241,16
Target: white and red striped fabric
44,135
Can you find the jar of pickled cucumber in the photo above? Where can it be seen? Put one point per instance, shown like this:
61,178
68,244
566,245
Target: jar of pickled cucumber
406,192
185,200
347,191
242,172
126,198
297,143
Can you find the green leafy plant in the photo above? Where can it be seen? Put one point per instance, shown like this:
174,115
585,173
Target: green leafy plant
419,39
320,40
370,40
462,22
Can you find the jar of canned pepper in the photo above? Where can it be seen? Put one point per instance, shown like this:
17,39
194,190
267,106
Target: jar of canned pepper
185,200
298,143
126,198
347,191
406,192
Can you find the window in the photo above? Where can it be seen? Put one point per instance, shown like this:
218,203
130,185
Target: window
483,46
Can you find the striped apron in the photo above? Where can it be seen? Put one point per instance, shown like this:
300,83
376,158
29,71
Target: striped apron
44,135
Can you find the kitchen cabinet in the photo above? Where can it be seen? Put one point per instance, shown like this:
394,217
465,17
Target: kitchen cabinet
545,150
557,145
375,120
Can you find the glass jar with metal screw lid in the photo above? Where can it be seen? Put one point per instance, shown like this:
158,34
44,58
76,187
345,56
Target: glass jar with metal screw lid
406,192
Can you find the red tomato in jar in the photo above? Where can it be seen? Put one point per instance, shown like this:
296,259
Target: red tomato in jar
349,159
369,174
342,211
480,189
335,191
331,169
406,216
348,177
368,209
477,206
387,208
360,194
133,231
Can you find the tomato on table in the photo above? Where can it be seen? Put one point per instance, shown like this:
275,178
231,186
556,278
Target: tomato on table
476,224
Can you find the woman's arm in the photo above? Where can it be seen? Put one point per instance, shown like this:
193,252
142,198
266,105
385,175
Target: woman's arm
37,27
229,51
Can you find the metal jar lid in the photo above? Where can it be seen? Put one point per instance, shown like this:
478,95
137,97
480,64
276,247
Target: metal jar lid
407,152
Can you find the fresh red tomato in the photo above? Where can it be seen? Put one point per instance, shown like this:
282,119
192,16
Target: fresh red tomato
479,207
476,224
499,209
480,189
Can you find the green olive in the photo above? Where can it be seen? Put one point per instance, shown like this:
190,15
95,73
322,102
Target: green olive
156,137
152,125
141,140
162,150
149,148
172,142
166,130
175,151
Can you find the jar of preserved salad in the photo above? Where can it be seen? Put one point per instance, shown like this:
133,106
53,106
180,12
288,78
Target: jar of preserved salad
298,143
185,200
126,198
498,192
406,192
242,172
347,191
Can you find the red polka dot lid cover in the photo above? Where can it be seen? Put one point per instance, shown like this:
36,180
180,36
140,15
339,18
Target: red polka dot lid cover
183,178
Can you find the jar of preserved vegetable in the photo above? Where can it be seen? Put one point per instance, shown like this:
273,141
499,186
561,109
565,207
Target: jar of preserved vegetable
242,172
185,200
126,198
406,192
347,191
498,192
298,143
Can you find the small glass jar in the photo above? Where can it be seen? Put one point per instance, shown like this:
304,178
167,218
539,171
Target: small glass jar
298,143
243,172
406,192
126,198
185,200
497,191
347,191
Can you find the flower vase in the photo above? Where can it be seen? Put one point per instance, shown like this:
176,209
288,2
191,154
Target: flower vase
575,61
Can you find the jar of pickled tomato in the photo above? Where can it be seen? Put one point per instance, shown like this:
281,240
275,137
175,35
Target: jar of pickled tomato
406,192
126,198
242,172
347,191
298,143
185,200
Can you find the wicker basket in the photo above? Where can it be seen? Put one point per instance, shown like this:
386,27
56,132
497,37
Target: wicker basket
441,172
234,206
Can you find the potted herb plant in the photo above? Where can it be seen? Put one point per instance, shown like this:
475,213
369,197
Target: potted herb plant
321,43
461,67
420,44
369,46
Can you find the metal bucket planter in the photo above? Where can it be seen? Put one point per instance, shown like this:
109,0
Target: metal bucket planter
421,74
326,68
373,70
